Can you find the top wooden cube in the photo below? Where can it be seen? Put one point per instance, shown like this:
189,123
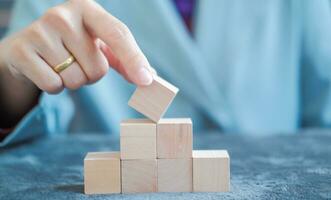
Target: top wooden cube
152,101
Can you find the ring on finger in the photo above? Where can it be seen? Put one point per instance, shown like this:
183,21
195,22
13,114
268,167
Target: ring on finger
64,65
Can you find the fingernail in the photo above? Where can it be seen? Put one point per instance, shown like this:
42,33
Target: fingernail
145,77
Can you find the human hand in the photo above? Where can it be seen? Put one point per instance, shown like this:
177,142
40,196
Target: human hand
80,28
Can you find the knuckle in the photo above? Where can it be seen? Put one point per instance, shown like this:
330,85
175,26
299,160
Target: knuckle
60,18
98,73
79,5
78,2
74,84
36,32
120,31
53,85
54,15
19,50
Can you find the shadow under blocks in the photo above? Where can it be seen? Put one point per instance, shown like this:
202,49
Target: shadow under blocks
156,153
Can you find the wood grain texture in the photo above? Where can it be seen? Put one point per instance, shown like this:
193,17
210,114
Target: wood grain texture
211,171
138,139
139,176
152,101
175,175
102,173
174,138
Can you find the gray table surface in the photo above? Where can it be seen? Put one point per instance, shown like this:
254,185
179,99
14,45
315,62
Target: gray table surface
294,166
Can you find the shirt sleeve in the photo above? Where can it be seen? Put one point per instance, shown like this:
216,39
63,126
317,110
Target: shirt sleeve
51,116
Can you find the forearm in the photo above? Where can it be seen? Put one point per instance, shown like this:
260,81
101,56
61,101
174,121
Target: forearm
17,97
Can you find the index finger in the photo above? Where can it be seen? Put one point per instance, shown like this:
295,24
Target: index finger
118,36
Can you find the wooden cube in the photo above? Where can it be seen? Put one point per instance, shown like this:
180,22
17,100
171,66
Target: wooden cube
139,176
152,101
174,175
211,171
174,138
138,139
102,173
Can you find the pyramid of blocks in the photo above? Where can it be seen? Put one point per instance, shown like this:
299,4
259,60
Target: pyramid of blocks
156,153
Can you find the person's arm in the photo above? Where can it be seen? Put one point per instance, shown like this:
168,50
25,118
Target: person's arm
81,28
18,96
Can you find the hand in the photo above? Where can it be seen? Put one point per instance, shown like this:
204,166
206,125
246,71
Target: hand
81,28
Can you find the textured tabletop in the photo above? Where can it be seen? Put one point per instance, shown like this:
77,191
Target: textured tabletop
294,166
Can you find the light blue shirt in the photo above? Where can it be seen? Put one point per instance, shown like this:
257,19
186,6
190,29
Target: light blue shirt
254,67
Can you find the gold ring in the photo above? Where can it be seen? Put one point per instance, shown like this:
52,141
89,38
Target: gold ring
59,68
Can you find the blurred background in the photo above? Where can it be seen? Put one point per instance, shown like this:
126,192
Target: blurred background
257,67
5,8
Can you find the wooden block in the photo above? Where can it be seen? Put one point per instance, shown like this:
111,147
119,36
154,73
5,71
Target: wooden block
152,101
139,176
174,175
102,173
174,138
211,171
138,139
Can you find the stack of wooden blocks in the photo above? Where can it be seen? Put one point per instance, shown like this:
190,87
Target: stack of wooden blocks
156,154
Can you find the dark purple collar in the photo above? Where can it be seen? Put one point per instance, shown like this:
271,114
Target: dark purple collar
186,9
